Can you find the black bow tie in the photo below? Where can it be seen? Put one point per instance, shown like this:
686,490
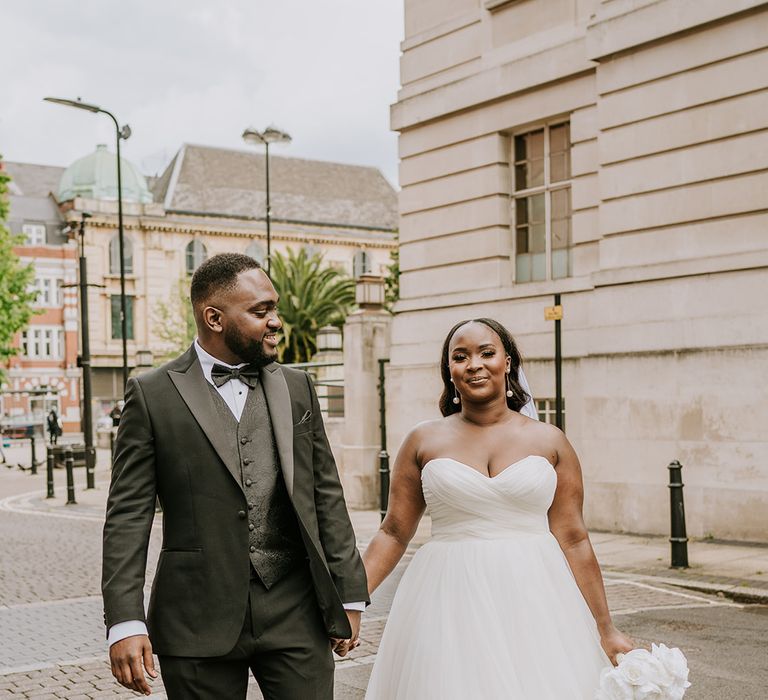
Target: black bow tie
247,374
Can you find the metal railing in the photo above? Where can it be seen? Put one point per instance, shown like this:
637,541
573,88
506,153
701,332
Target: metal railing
330,390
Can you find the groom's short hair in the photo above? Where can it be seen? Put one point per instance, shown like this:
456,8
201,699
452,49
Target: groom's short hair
219,274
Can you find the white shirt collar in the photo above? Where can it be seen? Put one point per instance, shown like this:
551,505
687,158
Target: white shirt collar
207,361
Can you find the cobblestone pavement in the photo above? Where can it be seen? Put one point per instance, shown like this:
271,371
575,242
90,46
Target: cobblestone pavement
52,640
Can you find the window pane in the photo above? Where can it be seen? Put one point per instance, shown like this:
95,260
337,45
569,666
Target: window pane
561,263
561,204
523,268
536,208
128,255
129,317
559,153
538,238
116,329
561,234
529,160
117,333
522,241
539,266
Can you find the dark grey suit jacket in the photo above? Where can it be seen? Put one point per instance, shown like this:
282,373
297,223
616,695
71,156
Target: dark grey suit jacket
169,445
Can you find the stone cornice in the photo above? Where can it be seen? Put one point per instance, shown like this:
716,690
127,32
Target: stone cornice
623,25
312,235
565,60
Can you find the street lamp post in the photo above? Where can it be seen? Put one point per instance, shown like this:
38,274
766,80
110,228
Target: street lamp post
264,138
122,133
85,359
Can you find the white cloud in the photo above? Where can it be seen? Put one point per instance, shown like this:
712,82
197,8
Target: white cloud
197,71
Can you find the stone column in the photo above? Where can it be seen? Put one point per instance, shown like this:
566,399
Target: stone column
366,340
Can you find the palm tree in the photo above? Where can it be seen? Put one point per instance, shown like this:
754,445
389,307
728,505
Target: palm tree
311,296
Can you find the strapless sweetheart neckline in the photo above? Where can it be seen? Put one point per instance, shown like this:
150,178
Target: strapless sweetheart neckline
479,473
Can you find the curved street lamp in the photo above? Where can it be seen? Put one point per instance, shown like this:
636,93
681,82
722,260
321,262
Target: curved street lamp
122,133
264,138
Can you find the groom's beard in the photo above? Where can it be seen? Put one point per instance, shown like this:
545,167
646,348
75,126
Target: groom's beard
247,349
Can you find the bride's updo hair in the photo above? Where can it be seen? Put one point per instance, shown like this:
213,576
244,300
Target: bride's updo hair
519,396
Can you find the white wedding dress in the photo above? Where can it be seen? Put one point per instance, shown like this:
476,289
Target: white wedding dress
488,609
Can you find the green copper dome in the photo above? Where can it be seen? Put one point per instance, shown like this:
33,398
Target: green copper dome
95,177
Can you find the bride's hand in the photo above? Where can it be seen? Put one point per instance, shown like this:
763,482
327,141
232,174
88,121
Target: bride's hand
615,642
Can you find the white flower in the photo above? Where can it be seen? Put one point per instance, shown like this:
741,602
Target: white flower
649,691
674,663
613,687
639,668
642,675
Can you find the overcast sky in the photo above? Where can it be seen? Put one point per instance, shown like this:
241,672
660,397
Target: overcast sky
200,71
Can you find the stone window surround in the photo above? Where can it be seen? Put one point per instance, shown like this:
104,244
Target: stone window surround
547,187
49,291
35,339
34,232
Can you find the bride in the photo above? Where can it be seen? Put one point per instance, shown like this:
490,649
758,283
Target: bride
506,600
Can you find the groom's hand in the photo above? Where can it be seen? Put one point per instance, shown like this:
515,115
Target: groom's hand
343,646
129,657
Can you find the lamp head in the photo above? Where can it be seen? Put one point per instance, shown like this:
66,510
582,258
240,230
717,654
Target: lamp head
78,103
270,135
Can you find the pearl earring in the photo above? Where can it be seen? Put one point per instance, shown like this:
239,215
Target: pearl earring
510,393
456,398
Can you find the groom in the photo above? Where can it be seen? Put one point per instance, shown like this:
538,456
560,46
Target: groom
258,567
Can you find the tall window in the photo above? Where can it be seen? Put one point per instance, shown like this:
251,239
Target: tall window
117,329
43,343
34,234
257,251
542,203
196,254
114,255
361,263
48,291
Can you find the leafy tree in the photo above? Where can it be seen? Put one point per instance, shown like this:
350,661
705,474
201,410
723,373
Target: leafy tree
16,299
175,321
311,296
392,280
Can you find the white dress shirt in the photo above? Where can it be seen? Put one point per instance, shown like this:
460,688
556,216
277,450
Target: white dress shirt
235,393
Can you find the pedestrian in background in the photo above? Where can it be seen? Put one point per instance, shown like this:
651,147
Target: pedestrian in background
115,413
54,426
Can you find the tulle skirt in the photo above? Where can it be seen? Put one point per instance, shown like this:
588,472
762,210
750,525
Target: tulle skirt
488,619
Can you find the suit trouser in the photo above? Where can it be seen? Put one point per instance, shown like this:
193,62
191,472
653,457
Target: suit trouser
283,642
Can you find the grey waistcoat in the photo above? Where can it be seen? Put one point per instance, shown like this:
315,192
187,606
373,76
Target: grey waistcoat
274,542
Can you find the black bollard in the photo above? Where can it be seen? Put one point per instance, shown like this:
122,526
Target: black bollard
384,482
90,464
34,455
69,463
678,538
49,468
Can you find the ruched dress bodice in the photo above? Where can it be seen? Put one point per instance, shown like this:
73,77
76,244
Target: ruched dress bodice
464,503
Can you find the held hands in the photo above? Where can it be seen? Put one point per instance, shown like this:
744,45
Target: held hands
615,642
343,646
127,658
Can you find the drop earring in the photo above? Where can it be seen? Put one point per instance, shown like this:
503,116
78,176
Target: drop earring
456,399
510,393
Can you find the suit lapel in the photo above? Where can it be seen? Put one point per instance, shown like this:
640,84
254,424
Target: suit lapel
279,403
193,388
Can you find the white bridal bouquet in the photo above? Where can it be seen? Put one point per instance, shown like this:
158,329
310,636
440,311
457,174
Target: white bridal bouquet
659,674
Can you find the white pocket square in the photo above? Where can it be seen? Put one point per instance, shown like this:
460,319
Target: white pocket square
305,418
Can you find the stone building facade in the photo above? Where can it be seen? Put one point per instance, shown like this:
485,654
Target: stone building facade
209,201
615,152
44,375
